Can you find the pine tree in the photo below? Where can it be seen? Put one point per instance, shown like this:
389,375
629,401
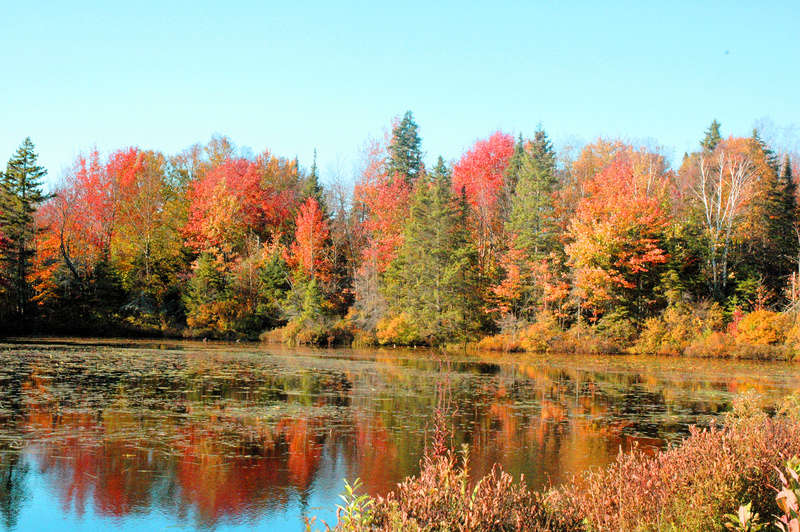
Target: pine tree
20,195
405,155
712,137
433,279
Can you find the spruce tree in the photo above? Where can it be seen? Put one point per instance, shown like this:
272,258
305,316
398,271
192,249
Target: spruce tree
20,195
433,280
712,137
532,217
405,153
774,243
312,187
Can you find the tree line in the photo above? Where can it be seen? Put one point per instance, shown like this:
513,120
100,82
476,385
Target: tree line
217,242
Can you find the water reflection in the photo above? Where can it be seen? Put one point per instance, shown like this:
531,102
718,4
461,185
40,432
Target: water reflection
106,434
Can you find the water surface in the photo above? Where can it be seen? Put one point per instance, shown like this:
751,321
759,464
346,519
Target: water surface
104,435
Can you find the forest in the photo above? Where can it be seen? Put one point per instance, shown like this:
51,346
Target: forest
511,247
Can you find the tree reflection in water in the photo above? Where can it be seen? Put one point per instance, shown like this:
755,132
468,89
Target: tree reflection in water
223,434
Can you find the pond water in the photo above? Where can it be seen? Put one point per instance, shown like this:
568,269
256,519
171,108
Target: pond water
180,435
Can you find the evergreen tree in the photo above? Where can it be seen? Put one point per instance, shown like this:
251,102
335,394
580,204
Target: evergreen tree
773,245
433,280
712,137
311,187
405,153
532,217
20,195
770,156
514,168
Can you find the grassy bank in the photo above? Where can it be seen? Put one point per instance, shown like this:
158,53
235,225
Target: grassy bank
693,486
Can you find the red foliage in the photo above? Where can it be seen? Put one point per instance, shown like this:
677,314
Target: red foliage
479,175
307,252
385,201
230,200
616,229
480,171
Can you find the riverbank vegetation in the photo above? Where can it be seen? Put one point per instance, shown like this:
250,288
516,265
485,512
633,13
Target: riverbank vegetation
513,246
739,475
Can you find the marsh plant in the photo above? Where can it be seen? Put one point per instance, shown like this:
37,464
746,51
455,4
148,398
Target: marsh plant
692,486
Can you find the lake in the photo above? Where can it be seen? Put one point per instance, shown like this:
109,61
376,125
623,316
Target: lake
154,435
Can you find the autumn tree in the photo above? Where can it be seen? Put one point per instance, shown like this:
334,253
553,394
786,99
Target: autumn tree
308,253
616,237
722,187
381,202
20,195
479,176
532,231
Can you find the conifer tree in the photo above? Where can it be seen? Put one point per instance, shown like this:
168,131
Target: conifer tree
433,279
312,188
20,195
532,218
405,153
712,137
773,245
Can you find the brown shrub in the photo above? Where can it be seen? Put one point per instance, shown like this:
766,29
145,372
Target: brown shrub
688,487
443,498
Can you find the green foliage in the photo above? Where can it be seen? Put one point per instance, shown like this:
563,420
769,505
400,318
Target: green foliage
532,216
20,195
405,154
712,137
357,509
434,277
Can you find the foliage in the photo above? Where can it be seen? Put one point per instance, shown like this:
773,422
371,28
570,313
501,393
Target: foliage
524,247
616,237
433,280
20,195
679,326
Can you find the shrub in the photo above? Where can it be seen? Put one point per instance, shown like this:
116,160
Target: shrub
678,327
581,338
499,342
443,498
717,344
692,486
321,332
398,329
763,327
688,487
539,335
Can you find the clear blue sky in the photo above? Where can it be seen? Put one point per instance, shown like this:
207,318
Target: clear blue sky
291,76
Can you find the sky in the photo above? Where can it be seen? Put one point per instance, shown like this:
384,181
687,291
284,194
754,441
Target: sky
294,76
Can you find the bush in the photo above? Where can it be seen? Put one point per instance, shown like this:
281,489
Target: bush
539,335
581,338
398,330
499,342
680,326
688,487
693,486
320,332
443,498
763,327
